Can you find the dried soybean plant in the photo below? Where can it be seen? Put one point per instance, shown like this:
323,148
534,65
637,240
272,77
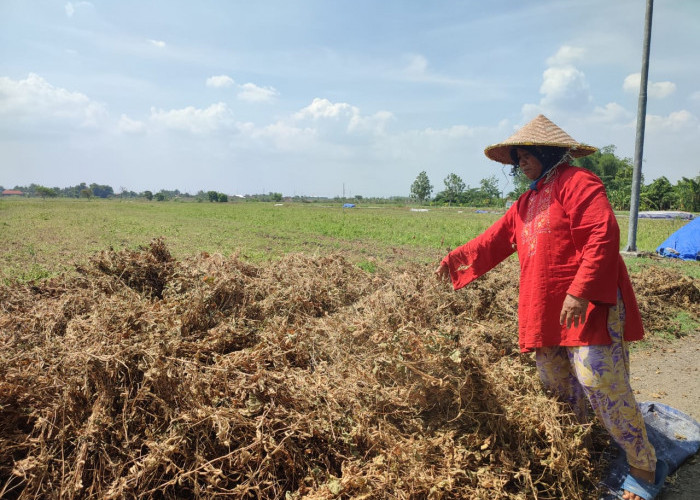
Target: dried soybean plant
143,376
661,294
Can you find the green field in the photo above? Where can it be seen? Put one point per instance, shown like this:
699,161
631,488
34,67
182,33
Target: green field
41,238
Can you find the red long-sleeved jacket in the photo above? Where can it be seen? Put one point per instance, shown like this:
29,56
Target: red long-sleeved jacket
567,241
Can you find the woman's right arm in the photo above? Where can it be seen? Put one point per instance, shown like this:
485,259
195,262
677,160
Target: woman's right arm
478,256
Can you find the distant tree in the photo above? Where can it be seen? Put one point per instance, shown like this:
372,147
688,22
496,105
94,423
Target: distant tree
658,195
489,189
86,193
616,173
213,196
421,188
520,184
164,195
472,197
45,192
688,194
169,195
101,191
276,196
620,199
148,195
223,198
454,187
74,191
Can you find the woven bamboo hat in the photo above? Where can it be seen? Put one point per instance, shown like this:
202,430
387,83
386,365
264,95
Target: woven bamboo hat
539,132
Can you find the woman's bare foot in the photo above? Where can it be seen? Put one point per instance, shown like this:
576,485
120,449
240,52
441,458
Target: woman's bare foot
644,475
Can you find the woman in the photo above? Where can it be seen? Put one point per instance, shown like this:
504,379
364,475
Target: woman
576,307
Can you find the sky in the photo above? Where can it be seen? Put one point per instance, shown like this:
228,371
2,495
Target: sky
332,97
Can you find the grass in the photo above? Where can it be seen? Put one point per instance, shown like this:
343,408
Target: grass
688,268
683,324
52,234
43,237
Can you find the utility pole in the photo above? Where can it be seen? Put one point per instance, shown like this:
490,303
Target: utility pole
639,144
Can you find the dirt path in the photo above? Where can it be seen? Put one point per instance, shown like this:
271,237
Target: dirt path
669,373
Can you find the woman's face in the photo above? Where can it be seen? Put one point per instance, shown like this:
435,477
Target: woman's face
529,164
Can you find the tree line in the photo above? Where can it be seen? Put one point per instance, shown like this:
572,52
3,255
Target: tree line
86,191
93,190
614,172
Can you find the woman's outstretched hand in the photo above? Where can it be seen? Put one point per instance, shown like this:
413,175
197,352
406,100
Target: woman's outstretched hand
442,272
573,311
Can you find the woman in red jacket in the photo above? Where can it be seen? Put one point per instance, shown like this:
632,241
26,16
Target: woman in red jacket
576,307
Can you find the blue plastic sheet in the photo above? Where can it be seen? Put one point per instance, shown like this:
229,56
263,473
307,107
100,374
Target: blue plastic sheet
675,436
684,243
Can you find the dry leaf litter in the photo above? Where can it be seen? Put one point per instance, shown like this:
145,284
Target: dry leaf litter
141,376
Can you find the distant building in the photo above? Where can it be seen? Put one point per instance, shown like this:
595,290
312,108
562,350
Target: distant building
11,192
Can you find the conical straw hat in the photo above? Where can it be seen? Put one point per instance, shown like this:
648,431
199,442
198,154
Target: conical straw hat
539,132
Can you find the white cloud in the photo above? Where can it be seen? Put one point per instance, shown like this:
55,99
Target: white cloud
416,69
417,65
35,99
657,90
674,122
374,124
157,43
284,136
70,7
566,55
321,129
323,108
564,86
253,93
246,92
612,113
430,140
194,120
220,81
129,126
342,118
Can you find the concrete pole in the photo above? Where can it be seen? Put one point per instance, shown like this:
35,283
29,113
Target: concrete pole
639,144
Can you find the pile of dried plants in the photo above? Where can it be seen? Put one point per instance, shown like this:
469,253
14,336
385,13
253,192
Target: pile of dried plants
142,376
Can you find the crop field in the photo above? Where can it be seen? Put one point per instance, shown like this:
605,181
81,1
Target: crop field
43,237
247,350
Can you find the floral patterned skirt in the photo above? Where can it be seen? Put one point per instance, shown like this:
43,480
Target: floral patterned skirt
599,374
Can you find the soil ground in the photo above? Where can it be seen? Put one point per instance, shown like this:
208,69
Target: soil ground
668,372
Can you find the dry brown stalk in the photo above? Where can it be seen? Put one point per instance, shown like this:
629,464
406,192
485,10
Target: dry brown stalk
141,376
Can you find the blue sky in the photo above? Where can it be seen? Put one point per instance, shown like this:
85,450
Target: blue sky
312,97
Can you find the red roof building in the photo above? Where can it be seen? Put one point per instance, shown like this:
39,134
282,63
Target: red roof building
11,192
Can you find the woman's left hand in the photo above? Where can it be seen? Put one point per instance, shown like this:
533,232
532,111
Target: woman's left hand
573,311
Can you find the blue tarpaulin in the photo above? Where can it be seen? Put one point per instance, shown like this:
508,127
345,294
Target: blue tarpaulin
674,435
684,243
